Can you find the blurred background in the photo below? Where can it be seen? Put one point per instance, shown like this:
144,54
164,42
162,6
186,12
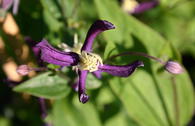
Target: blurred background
150,97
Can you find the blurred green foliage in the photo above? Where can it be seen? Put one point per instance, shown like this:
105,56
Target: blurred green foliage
150,97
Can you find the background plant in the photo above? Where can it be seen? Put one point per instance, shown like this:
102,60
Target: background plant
149,97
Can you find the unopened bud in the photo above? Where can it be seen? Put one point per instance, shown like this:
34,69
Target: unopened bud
23,70
173,67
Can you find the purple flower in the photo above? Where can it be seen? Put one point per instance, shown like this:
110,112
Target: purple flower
145,6
85,61
6,4
133,7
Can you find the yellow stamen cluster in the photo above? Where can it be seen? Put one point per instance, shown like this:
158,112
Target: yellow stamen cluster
89,61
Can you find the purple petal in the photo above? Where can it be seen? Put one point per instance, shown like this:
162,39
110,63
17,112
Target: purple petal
36,50
15,6
97,74
83,97
32,44
54,56
122,71
144,6
6,4
96,28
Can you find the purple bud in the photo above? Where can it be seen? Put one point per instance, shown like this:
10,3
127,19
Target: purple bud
83,98
23,70
173,67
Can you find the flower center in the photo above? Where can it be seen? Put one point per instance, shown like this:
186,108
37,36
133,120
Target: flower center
89,61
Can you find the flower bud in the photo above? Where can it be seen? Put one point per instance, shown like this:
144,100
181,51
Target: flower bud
23,70
173,67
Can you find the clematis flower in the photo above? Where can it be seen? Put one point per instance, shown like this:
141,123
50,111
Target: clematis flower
6,4
85,60
133,7
145,6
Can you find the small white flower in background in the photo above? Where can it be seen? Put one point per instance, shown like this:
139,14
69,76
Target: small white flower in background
134,7
129,5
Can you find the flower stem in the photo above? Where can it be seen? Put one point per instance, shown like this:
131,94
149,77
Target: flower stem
138,54
43,108
39,69
175,98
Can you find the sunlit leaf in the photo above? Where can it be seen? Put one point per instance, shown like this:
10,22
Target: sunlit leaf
92,82
148,96
77,114
45,85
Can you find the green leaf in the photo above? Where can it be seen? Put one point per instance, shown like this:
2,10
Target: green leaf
52,23
52,15
111,109
126,26
45,85
148,96
4,122
51,7
92,82
77,114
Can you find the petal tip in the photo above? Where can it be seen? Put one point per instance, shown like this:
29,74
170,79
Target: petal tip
108,25
43,42
140,64
83,98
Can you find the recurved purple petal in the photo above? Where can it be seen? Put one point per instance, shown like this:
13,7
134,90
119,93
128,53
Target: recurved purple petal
95,29
36,50
122,71
32,44
54,56
83,97
144,6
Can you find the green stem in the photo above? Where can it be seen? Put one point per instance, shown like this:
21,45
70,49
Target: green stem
175,98
137,54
